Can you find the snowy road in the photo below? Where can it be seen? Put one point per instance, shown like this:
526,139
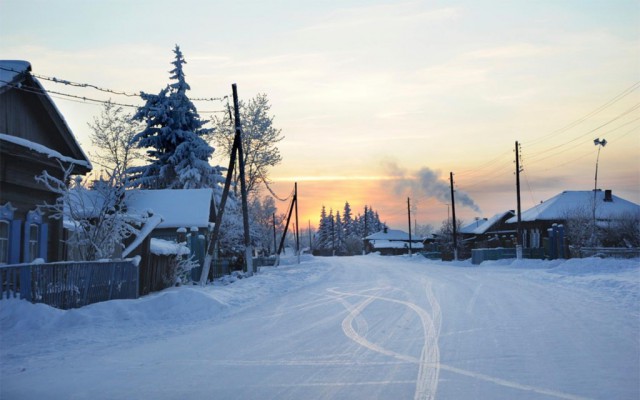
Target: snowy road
344,328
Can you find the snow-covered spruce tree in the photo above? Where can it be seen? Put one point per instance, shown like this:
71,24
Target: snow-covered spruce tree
96,216
324,233
177,153
340,240
259,140
353,242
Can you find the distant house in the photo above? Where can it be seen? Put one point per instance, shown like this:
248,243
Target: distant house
489,232
34,137
556,210
392,242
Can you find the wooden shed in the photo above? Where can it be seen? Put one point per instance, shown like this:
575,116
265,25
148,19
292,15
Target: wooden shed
34,137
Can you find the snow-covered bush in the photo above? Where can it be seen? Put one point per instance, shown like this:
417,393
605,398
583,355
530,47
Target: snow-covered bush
579,228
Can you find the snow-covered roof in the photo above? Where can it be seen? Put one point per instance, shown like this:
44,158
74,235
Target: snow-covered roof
393,234
177,207
38,148
481,226
10,69
395,244
150,224
163,247
568,202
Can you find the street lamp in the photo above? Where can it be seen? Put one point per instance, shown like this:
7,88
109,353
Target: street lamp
600,144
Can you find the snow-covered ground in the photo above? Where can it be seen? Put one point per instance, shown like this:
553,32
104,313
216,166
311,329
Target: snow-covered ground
344,328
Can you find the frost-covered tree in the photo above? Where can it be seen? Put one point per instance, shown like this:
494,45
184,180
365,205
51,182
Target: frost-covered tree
98,221
259,140
111,134
445,236
579,228
177,153
263,212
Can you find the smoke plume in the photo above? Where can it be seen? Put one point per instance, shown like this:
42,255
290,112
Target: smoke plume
429,183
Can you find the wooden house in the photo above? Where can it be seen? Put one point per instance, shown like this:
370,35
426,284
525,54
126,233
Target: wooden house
34,137
392,242
489,232
608,208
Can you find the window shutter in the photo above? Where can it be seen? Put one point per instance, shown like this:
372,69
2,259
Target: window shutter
42,241
14,241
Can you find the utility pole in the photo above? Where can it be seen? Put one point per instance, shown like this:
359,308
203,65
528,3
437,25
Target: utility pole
453,213
600,144
294,201
310,245
213,239
295,190
275,249
519,226
409,215
364,250
248,251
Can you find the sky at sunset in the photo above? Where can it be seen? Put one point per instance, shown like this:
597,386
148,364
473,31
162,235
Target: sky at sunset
377,100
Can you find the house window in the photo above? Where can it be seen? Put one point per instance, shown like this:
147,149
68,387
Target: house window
33,242
4,242
34,239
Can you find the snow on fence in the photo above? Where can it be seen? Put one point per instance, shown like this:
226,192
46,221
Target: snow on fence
500,253
606,252
68,285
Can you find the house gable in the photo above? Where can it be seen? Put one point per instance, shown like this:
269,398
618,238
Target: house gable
27,112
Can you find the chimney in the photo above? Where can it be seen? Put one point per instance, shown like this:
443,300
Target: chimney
607,195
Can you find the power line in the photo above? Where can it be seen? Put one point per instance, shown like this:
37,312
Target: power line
92,86
537,156
614,100
79,99
44,92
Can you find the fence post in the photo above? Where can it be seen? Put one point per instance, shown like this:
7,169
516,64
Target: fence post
560,236
552,243
25,283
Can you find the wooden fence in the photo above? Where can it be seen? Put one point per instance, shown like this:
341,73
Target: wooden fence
68,285
157,272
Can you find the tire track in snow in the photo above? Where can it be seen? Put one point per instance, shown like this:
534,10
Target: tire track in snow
428,370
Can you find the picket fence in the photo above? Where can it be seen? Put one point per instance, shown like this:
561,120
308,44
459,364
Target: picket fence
67,285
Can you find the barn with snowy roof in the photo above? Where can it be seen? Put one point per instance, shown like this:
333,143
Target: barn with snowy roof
34,137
